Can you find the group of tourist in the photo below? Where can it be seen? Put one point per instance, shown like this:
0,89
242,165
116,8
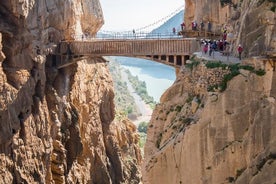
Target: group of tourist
209,46
202,26
195,26
182,25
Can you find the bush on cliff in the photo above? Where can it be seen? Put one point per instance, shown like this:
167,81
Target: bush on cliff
234,71
142,127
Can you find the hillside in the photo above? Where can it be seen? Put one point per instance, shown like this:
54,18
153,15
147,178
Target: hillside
167,27
124,101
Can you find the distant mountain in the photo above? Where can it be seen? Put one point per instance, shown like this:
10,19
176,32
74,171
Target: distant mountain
167,27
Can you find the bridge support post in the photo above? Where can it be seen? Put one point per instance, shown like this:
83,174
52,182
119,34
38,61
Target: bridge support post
187,57
167,58
174,60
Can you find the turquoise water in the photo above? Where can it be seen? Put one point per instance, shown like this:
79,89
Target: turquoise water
158,77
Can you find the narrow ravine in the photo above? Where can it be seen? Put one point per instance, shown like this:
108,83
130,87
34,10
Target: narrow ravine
144,109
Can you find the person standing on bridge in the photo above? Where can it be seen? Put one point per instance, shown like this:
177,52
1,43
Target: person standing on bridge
182,26
205,48
174,30
209,26
202,26
133,31
240,49
194,25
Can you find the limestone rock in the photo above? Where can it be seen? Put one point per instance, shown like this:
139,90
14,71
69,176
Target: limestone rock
230,137
252,23
212,11
56,125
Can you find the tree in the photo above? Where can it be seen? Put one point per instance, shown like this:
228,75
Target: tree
142,127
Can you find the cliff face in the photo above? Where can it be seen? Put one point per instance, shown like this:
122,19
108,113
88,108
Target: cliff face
56,126
252,23
255,27
201,10
197,136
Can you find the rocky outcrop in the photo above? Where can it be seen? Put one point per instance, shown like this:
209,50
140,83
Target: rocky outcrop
255,29
251,23
56,125
196,136
200,10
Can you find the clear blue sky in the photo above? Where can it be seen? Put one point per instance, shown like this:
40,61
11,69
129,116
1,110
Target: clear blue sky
124,15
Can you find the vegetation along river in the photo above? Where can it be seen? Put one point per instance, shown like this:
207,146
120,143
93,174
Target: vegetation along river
158,77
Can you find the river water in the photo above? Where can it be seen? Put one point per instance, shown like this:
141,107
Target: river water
158,77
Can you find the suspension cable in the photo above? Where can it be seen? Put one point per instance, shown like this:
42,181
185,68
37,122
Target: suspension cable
141,29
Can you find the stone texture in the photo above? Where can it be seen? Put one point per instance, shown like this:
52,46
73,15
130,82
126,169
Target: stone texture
201,10
56,126
255,28
229,138
251,23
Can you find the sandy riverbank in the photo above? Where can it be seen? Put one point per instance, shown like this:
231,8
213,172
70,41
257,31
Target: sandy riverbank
143,108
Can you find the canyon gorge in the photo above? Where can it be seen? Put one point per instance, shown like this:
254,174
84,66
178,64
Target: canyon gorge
58,126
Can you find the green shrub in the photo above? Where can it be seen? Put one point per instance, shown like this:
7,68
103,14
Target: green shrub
228,77
129,110
259,72
234,71
247,67
143,127
141,89
192,65
212,87
216,65
273,8
142,139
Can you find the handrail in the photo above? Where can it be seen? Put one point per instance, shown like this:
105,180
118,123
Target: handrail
140,35
118,36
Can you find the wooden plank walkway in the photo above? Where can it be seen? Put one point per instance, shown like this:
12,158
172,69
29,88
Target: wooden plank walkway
170,51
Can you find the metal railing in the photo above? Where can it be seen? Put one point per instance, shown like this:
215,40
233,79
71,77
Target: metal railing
144,35
127,36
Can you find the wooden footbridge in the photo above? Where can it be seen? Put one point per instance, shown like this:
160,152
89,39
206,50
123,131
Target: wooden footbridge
170,49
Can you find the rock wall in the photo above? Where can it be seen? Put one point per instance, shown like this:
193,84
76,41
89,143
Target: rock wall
196,136
252,23
202,10
255,28
56,126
